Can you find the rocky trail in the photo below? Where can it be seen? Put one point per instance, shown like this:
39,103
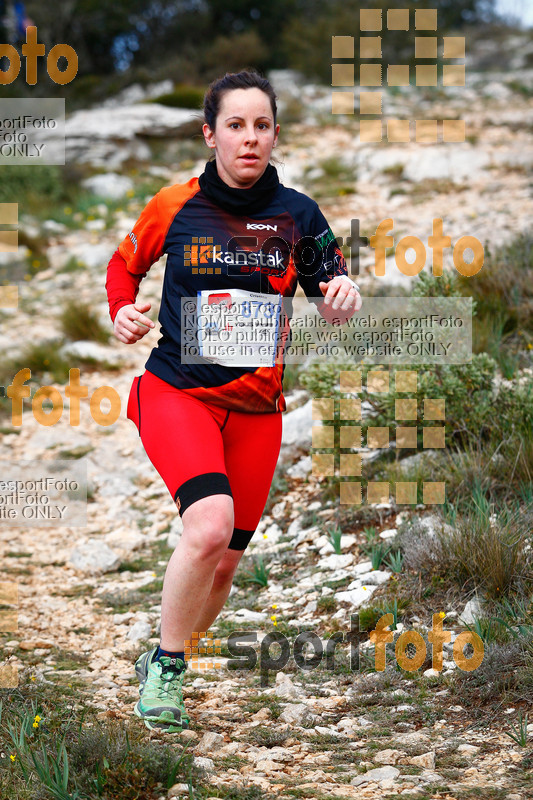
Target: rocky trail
88,596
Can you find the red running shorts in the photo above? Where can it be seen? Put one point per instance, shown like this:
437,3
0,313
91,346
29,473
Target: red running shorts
201,449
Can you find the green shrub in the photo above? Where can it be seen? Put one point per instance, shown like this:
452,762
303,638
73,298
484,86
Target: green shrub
503,294
467,390
182,96
40,358
28,185
505,674
504,285
491,546
422,552
235,52
80,322
320,378
503,301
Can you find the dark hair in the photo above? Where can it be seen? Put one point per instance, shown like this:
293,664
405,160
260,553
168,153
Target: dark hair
234,80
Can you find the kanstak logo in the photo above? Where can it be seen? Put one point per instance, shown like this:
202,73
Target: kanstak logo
206,258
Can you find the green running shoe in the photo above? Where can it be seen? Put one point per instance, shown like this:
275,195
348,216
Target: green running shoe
141,667
160,689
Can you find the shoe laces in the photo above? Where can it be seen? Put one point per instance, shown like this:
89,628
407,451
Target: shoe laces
170,682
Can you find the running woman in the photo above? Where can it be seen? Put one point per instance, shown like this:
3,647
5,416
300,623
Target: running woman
213,430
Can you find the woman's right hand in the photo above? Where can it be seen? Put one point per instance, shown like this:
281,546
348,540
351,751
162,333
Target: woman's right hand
125,326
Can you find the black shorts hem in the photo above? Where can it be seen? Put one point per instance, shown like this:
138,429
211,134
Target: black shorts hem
240,539
200,486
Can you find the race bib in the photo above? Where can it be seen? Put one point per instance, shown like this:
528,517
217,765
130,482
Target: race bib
238,328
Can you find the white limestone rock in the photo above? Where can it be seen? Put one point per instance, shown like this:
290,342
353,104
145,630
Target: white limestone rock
95,557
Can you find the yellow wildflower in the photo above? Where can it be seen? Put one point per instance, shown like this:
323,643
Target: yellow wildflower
37,718
35,725
12,757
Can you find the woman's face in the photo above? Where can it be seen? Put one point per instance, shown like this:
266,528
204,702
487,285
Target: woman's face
244,136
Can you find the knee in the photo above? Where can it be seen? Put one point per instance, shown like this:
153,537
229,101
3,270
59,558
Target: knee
208,526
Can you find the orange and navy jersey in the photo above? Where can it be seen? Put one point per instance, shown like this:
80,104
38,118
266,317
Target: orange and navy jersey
209,248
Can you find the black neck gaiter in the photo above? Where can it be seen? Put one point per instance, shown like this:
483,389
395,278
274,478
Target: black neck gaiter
239,201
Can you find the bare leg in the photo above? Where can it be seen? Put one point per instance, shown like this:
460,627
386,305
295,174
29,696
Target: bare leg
207,529
219,591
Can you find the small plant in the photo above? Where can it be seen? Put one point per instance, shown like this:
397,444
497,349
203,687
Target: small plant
395,561
371,534
395,607
60,754
368,617
488,629
334,536
326,603
72,265
171,779
309,519
394,171
376,553
269,737
259,574
392,608
519,733
517,617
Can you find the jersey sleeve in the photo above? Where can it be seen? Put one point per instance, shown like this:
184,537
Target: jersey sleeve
317,256
145,242
122,286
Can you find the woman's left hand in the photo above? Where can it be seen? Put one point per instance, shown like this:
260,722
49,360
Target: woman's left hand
339,295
